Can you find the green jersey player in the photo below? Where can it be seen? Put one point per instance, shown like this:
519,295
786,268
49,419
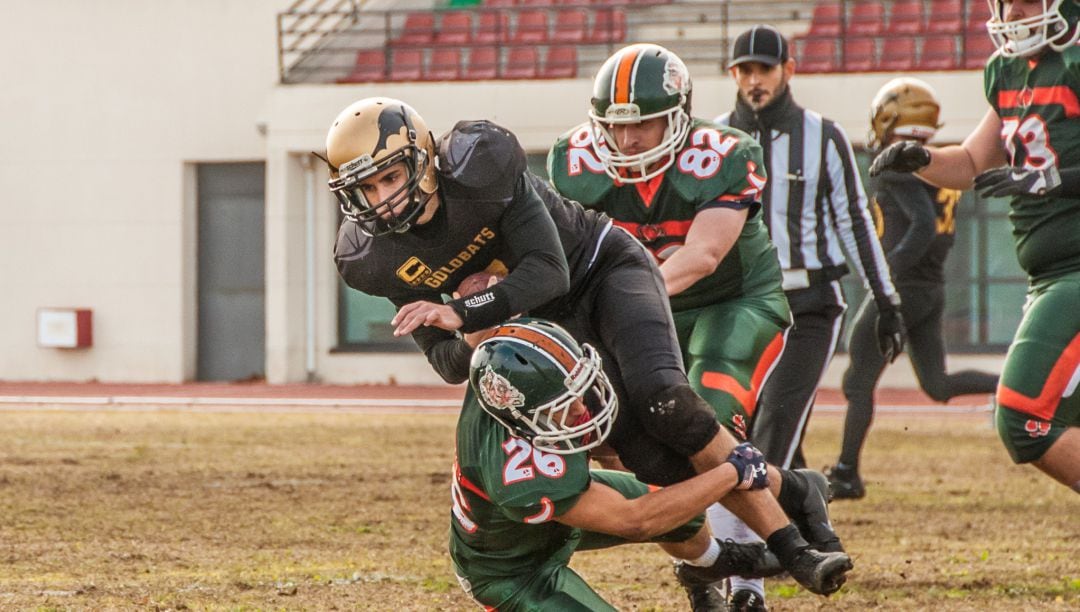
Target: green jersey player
524,499
688,190
1027,147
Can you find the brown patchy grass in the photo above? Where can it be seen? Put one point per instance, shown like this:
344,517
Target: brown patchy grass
111,510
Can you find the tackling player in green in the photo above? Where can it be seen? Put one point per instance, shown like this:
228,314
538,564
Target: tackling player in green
689,191
524,498
1027,147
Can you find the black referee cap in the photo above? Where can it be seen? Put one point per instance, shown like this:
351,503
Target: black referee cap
761,43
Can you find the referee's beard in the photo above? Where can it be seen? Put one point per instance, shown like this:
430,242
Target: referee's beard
760,98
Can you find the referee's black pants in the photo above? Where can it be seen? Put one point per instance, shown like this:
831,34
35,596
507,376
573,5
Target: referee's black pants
788,395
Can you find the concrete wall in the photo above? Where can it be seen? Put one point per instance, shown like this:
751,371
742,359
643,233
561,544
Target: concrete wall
105,105
537,112
108,107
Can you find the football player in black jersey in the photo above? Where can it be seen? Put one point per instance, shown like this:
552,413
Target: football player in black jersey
415,228
916,224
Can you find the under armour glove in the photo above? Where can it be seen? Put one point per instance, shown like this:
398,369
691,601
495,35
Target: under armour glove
903,156
750,465
890,333
1009,181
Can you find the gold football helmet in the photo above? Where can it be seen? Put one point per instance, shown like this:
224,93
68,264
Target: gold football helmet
904,107
367,137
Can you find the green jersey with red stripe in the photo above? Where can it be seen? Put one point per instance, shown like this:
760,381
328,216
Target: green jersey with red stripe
716,167
1038,101
505,497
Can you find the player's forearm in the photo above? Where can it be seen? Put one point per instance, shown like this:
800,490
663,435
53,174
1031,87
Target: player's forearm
687,266
950,167
665,509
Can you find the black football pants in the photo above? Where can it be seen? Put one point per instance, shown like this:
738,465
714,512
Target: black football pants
923,307
625,314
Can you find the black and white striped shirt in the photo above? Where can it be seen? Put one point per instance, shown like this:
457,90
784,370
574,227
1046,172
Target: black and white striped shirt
814,202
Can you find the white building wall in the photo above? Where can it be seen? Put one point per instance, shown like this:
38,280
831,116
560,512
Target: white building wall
108,106
104,104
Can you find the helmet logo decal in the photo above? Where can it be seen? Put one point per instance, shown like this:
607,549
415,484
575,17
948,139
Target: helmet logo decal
676,78
363,162
497,391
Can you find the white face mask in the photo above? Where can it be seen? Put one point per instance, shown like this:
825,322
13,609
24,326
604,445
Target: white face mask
1027,37
641,164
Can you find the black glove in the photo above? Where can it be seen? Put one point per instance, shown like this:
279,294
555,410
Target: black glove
1009,181
750,465
903,156
890,332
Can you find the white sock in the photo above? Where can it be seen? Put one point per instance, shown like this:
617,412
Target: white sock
725,526
709,557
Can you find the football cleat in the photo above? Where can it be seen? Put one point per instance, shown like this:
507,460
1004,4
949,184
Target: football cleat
707,598
749,560
845,483
820,572
746,600
813,516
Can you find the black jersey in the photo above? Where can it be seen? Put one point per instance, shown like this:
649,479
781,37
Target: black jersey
916,224
494,215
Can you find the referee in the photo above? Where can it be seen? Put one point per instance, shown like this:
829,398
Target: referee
816,211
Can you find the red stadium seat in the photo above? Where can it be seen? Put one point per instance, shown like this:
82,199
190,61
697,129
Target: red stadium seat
560,63
521,63
492,27
818,55
860,54
825,20
977,15
611,2
538,3
945,17
407,65
454,29
906,17
482,65
499,3
444,65
897,54
570,26
419,29
977,49
370,66
532,27
609,25
938,53
867,18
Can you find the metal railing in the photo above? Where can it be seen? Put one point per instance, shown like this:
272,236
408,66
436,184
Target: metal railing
307,25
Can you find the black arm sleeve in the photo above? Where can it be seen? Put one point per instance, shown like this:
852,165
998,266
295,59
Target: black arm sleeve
906,192
541,273
448,354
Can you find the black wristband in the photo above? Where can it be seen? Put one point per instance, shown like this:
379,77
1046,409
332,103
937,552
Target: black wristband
483,309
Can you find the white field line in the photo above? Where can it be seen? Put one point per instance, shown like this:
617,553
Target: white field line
150,403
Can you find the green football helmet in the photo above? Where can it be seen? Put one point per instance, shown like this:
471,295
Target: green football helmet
1055,27
530,375
637,83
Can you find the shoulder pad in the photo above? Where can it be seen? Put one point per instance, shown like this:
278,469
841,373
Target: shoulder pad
574,168
718,161
481,155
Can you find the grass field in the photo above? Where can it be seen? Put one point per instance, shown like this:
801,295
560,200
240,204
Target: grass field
181,511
